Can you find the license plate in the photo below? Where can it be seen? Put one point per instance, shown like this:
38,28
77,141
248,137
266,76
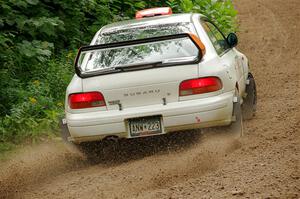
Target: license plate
145,126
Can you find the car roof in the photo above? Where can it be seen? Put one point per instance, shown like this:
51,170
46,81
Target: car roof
149,21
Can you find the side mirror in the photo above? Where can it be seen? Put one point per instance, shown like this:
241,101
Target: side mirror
232,40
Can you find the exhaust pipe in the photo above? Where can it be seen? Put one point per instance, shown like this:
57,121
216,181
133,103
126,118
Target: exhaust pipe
112,138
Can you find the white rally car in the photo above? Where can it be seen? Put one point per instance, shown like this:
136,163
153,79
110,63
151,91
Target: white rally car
157,74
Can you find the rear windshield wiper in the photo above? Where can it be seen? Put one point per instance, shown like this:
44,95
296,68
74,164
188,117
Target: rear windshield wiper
138,66
158,63
104,71
127,67
145,65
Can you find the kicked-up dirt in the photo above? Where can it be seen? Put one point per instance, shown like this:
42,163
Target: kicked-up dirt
265,163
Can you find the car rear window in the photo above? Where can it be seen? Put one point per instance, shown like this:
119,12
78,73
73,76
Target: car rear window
162,52
117,50
142,32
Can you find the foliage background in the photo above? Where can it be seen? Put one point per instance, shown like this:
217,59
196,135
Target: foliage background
38,42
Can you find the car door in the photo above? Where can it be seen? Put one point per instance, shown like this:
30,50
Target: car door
227,55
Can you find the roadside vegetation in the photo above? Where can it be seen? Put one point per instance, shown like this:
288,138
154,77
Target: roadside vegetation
38,43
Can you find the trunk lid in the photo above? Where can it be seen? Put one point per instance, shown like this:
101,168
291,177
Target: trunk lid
141,88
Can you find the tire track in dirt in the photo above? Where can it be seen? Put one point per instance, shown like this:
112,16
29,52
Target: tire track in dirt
35,164
146,170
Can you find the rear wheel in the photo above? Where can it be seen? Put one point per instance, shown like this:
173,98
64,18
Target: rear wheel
235,129
249,104
89,150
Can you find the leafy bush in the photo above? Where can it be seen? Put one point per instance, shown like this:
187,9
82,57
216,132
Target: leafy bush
39,102
220,12
37,42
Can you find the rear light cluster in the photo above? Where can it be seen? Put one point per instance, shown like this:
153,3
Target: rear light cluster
86,100
187,87
199,86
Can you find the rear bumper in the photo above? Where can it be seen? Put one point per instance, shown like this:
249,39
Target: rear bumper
200,113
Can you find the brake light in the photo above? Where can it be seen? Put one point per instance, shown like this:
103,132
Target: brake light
199,86
152,12
86,100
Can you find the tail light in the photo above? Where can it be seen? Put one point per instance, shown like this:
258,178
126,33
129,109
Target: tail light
199,86
86,100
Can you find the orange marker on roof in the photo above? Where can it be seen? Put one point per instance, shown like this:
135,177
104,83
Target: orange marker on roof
152,12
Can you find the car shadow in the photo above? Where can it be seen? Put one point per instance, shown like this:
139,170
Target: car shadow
110,152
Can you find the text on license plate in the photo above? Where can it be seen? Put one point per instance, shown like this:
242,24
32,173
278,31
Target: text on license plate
145,126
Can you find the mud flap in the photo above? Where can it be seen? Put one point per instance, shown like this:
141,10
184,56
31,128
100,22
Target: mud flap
249,104
236,127
64,131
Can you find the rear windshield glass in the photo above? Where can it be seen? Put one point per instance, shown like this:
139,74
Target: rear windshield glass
173,51
176,50
135,33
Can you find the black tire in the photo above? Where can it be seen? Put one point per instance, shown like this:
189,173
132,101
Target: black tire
102,151
89,149
249,104
235,129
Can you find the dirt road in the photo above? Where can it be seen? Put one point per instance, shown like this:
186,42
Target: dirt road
265,163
